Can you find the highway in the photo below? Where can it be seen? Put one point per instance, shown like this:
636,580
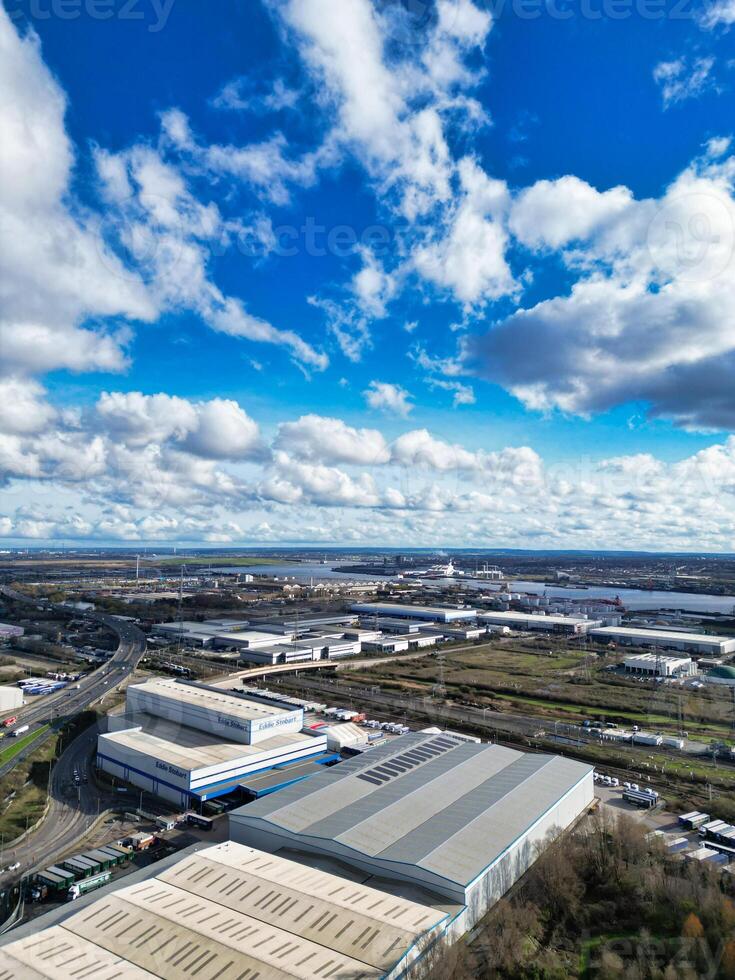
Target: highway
66,704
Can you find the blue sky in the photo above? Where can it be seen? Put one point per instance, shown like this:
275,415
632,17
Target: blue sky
370,271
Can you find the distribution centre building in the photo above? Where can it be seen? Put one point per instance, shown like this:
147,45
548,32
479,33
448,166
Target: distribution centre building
236,717
537,621
701,643
227,912
458,819
440,614
188,742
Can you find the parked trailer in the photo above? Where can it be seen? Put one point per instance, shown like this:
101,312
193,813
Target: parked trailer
694,819
640,798
87,885
197,820
675,846
712,827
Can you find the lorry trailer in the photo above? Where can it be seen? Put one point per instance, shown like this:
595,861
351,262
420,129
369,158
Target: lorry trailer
80,888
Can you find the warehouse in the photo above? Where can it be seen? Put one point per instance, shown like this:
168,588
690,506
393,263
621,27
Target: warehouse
182,765
8,631
459,819
656,665
440,614
537,621
10,698
210,709
228,912
703,643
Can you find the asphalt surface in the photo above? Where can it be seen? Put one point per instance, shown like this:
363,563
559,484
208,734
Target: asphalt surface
66,704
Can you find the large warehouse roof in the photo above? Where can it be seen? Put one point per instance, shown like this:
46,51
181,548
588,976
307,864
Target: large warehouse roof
665,636
449,807
229,912
190,749
190,694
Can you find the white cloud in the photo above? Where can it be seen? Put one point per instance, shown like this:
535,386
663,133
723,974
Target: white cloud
388,398
649,319
330,440
717,13
420,447
55,270
553,213
683,78
216,429
469,257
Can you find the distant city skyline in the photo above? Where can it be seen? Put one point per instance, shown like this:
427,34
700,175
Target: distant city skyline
367,273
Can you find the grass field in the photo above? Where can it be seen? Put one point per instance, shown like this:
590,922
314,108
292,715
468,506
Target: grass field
561,682
12,746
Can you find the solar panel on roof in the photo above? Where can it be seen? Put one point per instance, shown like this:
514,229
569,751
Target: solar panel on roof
406,761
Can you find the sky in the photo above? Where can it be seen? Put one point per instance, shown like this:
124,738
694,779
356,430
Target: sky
424,273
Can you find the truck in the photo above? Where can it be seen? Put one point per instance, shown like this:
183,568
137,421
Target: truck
9,721
20,731
196,820
80,888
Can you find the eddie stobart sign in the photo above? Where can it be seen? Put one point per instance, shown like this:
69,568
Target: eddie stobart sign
171,770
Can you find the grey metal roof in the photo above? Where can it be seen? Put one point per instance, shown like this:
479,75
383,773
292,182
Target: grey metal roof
448,806
227,913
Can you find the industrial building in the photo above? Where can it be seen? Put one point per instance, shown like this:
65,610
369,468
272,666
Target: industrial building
723,674
439,614
226,714
700,643
656,665
227,912
8,631
537,621
455,818
188,742
10,698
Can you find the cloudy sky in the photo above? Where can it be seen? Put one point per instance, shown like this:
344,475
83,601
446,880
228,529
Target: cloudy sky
370,272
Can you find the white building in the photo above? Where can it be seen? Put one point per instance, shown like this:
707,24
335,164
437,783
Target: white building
8,631
222,713
665,639
458,819
440,614
657,665
538,621
10,698
189,742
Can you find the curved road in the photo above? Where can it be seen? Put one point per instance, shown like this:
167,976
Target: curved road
58,708
72,811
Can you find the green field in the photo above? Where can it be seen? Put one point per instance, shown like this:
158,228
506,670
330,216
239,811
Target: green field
559,681
12,746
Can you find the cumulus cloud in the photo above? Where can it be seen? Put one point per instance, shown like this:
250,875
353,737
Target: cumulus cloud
553,213
649,315
55,269
390,398
330,440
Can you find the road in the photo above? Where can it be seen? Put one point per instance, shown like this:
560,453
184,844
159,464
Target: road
63,706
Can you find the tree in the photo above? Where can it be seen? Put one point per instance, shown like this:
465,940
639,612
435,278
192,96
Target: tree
692,928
